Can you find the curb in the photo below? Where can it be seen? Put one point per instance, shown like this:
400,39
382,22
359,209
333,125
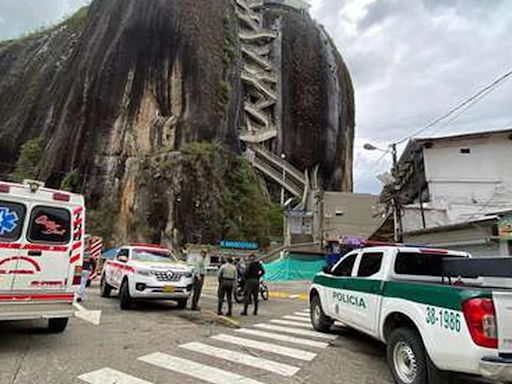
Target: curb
287,295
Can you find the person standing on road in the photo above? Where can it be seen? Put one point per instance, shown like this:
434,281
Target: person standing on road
227,278
199,275
87,267
253,273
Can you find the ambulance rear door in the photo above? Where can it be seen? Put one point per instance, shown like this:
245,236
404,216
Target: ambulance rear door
12,219
45,255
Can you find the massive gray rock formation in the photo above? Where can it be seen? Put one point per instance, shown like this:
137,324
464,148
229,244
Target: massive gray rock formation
118,89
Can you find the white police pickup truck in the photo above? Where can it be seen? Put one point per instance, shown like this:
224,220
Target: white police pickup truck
433,323
146,271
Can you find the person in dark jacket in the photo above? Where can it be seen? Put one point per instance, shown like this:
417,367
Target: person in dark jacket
253,273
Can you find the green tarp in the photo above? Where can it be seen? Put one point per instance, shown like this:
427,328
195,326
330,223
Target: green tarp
294,267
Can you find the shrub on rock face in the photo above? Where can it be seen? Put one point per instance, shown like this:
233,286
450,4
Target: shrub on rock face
30,154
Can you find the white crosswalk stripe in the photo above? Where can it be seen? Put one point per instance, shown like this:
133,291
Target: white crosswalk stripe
301,314
196,370
285,338
293,329
298,318
243,358
291,323
110,376
267,347
296,331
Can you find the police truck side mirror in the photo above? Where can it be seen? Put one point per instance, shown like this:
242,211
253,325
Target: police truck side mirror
326,269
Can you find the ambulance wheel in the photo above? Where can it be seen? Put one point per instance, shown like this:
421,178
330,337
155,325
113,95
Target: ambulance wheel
126,301
105,289
321,322
182,303
57,325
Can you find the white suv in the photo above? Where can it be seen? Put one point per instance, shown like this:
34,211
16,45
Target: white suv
145,271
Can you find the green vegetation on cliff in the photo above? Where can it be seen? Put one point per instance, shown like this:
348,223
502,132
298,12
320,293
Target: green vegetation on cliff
224,198
29,157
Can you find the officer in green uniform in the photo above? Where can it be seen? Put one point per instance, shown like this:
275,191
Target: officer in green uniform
227,279
253,274
199,275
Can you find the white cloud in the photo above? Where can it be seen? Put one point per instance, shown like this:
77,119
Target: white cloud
413,60
22,16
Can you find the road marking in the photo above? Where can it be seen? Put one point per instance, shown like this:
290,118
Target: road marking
296,318
302,314
292,323
196,370
277,349
296,331
243,358
110,376
93,317
289,339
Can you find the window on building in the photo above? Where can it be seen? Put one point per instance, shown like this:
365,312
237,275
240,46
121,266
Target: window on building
344,268
370,264
465,151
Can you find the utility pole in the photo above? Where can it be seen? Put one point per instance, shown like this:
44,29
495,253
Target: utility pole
397,207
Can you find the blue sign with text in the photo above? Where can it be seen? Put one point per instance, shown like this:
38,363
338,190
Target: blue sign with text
248,245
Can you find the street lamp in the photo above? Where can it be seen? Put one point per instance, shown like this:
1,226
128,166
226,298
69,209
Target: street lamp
283,156
397,209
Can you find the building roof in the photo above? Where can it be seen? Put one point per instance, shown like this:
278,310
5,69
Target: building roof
464,136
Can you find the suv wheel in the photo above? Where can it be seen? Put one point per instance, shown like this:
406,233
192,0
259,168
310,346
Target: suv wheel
321,322
105,288
57,325
126,301
182,303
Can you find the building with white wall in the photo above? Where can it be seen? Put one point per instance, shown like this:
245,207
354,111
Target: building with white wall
453,179
453,182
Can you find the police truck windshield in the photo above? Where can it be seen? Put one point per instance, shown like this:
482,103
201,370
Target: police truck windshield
153,255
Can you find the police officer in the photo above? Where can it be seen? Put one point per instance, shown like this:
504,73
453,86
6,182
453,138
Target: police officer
253,274
199,276
227,276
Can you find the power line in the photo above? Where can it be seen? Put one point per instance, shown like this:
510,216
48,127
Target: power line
483,92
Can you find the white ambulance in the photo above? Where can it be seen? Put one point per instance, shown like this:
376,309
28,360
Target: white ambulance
41,248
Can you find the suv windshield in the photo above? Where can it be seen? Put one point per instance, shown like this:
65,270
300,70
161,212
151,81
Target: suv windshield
153,255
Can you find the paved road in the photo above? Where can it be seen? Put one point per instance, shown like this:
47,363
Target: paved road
156,343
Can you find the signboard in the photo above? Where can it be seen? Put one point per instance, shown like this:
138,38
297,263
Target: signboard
505,227
248,245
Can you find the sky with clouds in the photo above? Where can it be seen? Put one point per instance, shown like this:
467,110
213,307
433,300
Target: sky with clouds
410,60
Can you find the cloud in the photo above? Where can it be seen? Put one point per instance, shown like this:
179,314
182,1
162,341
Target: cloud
18,17
411,61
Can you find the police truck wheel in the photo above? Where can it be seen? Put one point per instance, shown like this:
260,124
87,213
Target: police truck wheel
321,322
126,301
105,289
182,303
407,357
57,325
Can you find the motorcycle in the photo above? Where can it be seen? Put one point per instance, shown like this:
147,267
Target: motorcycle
240,291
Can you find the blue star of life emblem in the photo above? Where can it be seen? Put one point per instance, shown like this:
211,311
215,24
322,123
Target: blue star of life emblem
8,221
